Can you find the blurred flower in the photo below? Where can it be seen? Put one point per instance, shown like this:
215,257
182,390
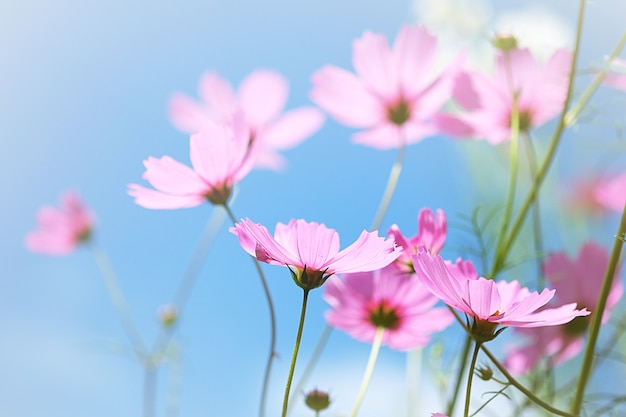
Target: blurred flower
610,193
394,93
311,250
387,298
61,229
317,400
616,76
261,98
487,102
167,314
575,280
488,303
220,156
431,236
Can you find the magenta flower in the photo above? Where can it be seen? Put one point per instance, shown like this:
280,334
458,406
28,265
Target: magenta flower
616,77
488,303
387,298
431,236
575,281
261,98
311,250
220,155
487,101
61,229
394,93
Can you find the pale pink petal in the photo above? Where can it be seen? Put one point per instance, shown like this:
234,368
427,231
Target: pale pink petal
432,230
414,53
186,114
256,240
262,96
153,199
172,177
483,298
341,94
383,136
218,95
611,193
293,127
546,317
368,253
372,60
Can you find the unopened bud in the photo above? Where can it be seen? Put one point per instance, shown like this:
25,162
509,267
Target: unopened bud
505,43
317,400
484,373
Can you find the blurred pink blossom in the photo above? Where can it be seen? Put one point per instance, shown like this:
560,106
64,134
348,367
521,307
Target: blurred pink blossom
488,303
487,101
61,229
261,98
395,91
220,156
431,235
616,76
575,281
386,298
610,193
311,250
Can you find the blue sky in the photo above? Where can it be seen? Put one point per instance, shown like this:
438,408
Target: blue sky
83,98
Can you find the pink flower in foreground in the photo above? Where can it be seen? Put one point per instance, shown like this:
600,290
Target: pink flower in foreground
394,93
61,229
220,156
488,303
487,101
610,193
386,298
575,280
311,250
431,235
261,98
616,77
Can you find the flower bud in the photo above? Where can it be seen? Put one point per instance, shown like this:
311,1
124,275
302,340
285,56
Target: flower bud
505,43
317,400
167,315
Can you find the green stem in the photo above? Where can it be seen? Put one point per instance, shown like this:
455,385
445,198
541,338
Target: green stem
149,389
118,300
577,108
296,347
470,377
369,369
596,322
270,304
457,387
392,182
503,251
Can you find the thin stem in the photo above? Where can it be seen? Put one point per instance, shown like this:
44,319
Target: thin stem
457,387
392,182
470,377
556,138
596,322
270,305
369,369
118,300
296,347
532,164
149,389
311,364
577,108
413,379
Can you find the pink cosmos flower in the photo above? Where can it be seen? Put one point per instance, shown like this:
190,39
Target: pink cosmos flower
488,303
261,98
575,280
617,77
487,101
61,229
431,236
220,156
387,298
311,250
610,193
394,93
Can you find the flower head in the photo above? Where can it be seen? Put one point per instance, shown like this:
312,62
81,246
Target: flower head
394,93
488,303
311,250
487,102
616,77
610,193
220,155
363,302
575,280
317,400
261,98
61,229
431,235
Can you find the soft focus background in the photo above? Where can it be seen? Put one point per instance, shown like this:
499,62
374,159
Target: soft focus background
84,89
